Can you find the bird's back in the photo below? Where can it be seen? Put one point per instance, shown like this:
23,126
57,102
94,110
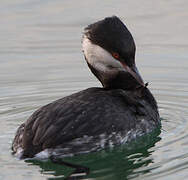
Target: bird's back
87,121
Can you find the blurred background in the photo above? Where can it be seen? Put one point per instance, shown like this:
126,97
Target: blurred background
41,61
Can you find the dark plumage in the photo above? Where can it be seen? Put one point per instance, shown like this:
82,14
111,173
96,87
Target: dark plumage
96,117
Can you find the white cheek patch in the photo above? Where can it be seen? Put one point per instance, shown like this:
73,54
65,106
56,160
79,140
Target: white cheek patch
98,57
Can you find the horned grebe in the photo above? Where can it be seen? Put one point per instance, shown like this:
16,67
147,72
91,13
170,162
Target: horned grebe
95,118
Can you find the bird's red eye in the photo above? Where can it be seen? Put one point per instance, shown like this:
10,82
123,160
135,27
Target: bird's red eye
115,55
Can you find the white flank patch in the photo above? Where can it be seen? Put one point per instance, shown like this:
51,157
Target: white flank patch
43,154
19,153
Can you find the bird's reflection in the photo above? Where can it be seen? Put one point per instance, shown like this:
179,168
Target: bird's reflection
118,163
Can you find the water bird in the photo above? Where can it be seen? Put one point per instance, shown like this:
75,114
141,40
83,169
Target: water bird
98,117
